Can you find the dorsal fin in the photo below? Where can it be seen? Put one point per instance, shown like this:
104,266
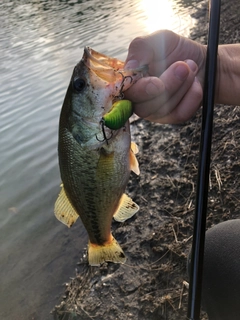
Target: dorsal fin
134,147
134,166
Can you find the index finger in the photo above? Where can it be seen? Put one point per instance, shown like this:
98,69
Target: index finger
147,88
153,50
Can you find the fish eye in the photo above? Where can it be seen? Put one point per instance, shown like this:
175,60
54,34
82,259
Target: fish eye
79,84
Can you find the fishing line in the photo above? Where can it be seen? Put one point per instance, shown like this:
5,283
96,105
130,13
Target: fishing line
196,271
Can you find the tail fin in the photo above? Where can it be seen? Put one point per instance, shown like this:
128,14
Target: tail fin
112,252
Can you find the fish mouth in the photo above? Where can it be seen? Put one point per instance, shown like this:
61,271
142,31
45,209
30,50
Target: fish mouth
99,61
108,68
103,66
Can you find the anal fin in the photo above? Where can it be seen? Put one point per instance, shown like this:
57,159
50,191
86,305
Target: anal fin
64,210
126,209
109,252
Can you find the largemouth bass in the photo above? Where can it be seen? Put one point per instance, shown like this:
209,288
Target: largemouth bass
95,161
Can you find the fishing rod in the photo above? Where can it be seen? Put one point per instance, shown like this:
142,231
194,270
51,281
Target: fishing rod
196,269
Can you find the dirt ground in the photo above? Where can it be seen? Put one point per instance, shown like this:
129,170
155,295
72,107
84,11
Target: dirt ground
153,284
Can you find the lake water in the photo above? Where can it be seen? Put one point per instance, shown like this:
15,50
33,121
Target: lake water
40,42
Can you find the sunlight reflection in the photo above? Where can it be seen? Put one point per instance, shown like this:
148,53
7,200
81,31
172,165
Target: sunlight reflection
165,14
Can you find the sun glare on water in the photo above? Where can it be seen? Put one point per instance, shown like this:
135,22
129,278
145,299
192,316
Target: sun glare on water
166,14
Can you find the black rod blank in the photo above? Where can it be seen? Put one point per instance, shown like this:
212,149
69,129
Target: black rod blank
196,271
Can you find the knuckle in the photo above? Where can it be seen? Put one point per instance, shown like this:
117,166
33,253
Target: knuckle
197,92
137,43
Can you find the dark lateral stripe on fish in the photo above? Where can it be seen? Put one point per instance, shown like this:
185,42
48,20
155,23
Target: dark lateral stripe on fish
96,231
94,223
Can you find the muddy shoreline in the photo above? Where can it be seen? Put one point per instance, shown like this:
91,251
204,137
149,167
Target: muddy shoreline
153,284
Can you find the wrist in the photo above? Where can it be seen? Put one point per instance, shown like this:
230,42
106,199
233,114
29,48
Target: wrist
228,75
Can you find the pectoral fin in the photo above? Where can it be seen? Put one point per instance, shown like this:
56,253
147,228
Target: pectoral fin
126,209
134,166
64,211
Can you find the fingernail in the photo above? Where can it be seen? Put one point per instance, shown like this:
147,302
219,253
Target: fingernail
181,72
192,65
132,64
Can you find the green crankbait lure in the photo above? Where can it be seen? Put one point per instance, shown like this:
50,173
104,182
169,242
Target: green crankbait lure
118,115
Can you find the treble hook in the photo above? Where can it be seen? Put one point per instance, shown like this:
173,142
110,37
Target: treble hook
121,94
104,133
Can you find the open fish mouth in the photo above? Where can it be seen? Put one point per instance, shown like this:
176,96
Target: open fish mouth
99,61
108,68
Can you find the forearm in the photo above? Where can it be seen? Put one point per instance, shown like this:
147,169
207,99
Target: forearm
228,69
228,75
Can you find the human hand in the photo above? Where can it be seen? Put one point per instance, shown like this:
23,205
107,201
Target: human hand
172,90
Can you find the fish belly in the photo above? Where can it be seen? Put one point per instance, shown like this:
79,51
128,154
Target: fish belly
94,181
